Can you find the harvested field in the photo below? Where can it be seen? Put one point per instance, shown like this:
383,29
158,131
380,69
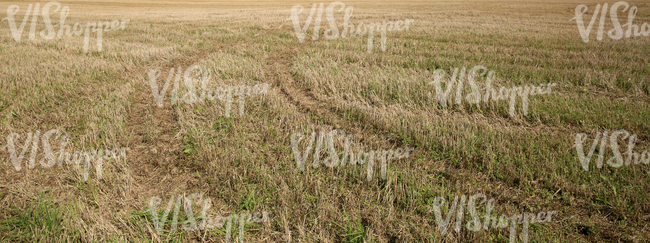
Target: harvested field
303,134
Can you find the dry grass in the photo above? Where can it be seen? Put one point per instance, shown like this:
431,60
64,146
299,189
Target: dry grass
245,163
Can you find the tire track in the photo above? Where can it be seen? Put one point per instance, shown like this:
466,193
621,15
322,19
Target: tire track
279,67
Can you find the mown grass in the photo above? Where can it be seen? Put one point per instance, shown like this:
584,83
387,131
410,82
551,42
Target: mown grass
245,163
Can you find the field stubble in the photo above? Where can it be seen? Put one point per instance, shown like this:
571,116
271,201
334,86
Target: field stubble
245,163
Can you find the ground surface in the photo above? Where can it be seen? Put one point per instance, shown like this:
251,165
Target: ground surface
246,164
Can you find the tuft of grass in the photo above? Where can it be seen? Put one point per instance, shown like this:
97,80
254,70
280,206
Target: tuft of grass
354,231
222,124
41,221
